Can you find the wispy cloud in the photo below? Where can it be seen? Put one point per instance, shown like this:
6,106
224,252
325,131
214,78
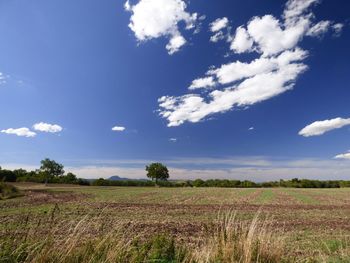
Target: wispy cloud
3,78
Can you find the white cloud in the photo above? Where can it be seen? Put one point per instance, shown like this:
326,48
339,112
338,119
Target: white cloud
217,37
295,8
218,24
206,82
46,127
344,156
261,83
237,70
271,38
173,139
242,42
319,29
251,129
322,27
273,72
216,27
175,43
338,28
127,6
160,18
118,128
321,127
22,132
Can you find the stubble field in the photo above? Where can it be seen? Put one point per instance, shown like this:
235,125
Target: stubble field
314,223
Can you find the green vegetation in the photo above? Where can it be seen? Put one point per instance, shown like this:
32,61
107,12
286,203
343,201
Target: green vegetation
53,172
50,169
8,191
49,172
157,171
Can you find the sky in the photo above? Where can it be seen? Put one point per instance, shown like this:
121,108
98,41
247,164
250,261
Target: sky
255,90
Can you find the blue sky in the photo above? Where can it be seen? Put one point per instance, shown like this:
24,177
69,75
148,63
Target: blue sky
212,90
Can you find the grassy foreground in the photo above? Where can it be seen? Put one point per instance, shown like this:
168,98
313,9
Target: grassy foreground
230,240
115,224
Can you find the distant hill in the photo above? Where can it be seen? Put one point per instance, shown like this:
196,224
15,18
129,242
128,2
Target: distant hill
118,178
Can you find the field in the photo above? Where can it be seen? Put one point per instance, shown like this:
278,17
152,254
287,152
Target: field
314,223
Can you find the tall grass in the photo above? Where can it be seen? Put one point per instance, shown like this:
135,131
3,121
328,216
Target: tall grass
93,239
241,241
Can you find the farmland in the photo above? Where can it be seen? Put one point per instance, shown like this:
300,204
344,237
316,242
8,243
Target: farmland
315,223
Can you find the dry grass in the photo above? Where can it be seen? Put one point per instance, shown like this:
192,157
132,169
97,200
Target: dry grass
91,240
174,225
241,241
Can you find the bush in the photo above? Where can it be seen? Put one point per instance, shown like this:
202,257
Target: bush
8,191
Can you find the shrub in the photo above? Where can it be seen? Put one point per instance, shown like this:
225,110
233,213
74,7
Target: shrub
8,191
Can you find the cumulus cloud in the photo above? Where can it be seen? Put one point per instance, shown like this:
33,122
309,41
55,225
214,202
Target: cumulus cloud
218,24
118,128
240,84
175,43
269,35
260,87
160,18
237,70
242,42
217,27
206,82
173,139
22,132
47,127
321,127
344,156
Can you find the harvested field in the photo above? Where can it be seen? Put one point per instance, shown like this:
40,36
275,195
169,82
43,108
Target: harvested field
307,217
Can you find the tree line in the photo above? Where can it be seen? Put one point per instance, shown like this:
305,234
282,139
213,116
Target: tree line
49,172
53,172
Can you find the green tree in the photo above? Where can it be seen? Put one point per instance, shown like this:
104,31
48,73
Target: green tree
69,178
157,171
51,169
